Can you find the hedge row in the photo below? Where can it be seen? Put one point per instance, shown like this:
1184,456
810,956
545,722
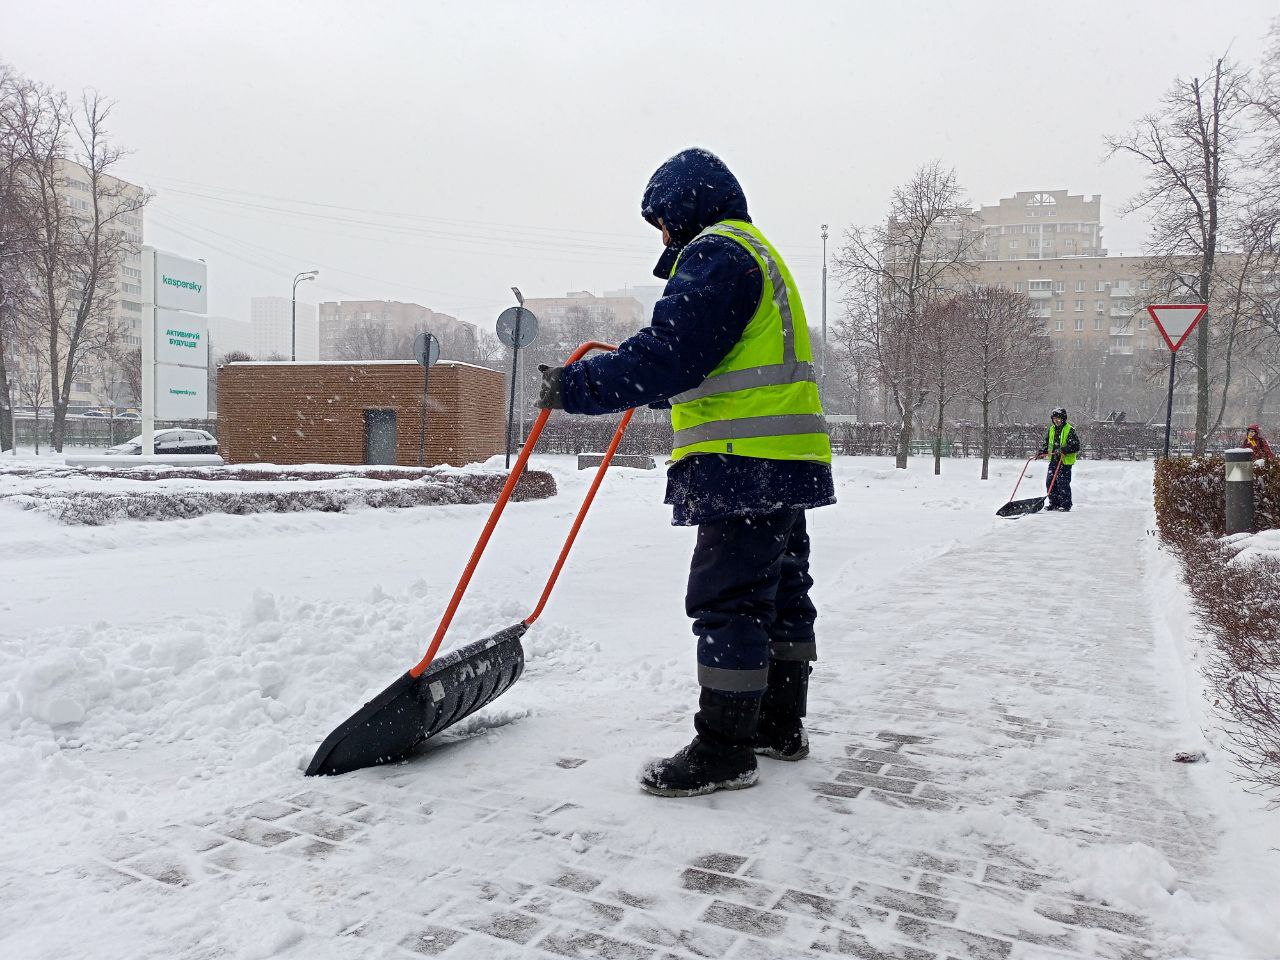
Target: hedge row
1189,495
91,508
1237,601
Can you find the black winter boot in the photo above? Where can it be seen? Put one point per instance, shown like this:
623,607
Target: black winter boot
780,734
720,756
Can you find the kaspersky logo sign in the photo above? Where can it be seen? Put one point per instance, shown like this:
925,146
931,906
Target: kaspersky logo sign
169,281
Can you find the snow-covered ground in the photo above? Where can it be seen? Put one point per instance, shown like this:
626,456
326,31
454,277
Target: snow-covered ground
992,720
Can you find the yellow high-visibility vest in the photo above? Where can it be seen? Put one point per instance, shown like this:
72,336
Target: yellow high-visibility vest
762,399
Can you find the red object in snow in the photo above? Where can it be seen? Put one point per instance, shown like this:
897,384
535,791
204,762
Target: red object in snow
1255,441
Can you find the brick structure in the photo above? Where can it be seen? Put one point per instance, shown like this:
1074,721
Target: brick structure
317,412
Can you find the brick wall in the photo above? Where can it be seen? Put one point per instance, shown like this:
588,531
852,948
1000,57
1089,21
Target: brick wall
314,412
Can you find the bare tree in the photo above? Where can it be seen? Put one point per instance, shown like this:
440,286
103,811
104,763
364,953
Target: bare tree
34,389
1195,151
16,247
892,273
943,327
81,234
366,340
1005,353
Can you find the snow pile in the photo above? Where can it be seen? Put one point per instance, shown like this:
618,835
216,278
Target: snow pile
1250,549
243,687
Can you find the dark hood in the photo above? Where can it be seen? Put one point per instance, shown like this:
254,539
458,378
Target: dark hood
690,192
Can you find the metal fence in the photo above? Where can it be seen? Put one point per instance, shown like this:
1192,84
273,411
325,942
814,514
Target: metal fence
98,432
1107,441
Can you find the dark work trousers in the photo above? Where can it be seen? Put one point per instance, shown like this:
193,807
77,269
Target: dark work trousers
749,599
1060,496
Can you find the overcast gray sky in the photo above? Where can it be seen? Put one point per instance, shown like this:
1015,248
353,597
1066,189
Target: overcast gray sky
442,152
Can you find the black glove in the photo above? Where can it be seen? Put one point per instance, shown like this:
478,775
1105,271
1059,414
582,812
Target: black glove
549,394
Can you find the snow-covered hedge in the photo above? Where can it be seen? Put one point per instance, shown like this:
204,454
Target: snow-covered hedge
86,506
1234,583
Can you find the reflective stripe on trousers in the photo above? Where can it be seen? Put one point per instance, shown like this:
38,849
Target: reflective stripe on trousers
749,598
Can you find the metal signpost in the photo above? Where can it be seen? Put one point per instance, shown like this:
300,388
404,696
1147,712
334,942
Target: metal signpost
517,328
426,350
175,341
1175,322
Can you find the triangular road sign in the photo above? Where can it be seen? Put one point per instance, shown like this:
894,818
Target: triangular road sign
1176,320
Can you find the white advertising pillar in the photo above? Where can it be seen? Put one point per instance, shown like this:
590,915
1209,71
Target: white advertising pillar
175,341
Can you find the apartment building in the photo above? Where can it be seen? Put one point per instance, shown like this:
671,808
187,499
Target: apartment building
385,329
1095,303
98,381
1042,224
272,321
607,316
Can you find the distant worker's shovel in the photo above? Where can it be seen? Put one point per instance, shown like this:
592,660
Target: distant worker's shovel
1020,508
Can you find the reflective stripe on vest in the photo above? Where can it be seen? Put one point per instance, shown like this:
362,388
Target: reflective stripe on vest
762,399
1068,459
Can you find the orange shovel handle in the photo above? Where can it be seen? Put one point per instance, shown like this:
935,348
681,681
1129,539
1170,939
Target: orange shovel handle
516,471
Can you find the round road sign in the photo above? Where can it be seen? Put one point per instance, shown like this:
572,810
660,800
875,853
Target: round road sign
426,349
517,327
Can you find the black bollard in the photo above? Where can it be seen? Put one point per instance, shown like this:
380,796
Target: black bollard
1239,495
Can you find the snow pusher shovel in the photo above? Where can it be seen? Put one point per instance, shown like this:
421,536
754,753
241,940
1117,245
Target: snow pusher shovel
436,694
1020,508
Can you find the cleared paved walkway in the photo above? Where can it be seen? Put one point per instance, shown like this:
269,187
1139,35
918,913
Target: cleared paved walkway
988,736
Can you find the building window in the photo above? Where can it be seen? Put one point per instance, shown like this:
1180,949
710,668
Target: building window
1058,286
1079,306
1079,286
1142,285
1057,325
1079,323
131,272
1057,306
131,305
1079,343
1100,286
1097,323
1017,287
1101,306
1142,323
134,288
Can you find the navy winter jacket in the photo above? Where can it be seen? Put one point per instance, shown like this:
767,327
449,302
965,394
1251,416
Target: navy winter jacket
703,310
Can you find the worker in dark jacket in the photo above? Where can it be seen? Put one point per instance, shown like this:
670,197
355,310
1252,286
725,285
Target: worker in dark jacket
728,348
1061,444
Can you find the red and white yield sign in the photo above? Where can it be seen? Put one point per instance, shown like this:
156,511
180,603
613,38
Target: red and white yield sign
1176,320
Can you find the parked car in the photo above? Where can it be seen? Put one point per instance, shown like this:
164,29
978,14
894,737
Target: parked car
128,416
96,414
170,441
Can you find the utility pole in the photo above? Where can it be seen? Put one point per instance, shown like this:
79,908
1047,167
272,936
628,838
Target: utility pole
822,376
293,317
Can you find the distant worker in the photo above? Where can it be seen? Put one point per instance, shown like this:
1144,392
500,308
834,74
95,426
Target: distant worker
1255,441
728,349
1061,444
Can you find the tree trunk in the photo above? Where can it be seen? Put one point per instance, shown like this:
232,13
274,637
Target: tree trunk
986,433
904,439
937,443
59,430
1202,388
7,441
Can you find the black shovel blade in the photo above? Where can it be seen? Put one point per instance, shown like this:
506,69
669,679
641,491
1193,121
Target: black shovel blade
412,709
1020,508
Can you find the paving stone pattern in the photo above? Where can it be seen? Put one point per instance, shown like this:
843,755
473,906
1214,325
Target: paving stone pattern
875,873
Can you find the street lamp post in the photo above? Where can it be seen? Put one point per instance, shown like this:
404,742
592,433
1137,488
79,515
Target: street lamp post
293,320
822,376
